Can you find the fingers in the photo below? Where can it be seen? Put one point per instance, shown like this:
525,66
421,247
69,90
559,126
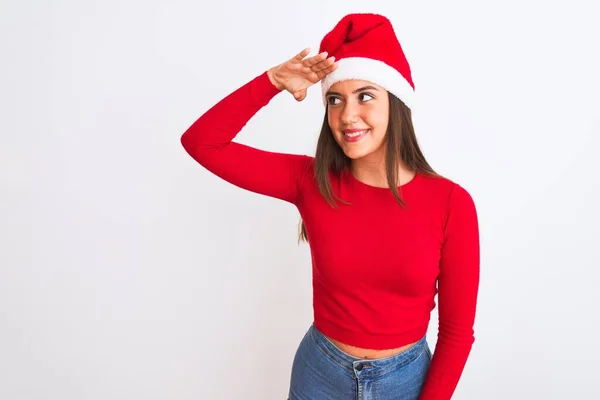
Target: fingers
300,56
309,62
323,64
312,69
324,68
324,72
317,64
314,64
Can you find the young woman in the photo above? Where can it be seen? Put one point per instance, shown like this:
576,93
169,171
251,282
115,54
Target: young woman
386,232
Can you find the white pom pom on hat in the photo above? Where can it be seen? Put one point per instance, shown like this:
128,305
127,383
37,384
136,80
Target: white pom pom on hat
365,47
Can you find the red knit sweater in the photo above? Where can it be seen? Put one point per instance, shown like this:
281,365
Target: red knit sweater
375,265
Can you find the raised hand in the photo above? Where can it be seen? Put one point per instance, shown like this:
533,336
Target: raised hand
298,73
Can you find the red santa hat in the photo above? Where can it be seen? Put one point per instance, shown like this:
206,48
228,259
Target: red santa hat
365,47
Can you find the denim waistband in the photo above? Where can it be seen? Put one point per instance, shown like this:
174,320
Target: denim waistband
370,367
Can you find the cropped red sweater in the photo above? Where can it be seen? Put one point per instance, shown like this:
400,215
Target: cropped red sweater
375,265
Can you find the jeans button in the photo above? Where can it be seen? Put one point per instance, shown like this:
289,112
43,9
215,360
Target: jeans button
359,367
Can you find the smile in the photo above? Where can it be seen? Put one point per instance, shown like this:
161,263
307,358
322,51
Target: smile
355,136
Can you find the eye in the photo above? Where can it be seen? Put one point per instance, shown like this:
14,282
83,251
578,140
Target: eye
329,100
365,94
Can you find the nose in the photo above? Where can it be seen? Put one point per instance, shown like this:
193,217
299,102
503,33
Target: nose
349,115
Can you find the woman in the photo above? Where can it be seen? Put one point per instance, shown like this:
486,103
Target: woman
384,229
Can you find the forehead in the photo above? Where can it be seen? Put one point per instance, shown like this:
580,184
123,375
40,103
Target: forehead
350,85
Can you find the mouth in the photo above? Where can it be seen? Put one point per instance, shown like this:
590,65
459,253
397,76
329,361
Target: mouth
354,135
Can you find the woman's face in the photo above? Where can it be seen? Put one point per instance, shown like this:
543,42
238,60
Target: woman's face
358,115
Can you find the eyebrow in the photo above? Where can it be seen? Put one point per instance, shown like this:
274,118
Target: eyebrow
356,91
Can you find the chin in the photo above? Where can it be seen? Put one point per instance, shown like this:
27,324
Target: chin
356,154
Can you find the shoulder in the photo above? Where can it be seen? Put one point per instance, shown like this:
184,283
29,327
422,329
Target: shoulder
448,193
305,167
445,187
307,163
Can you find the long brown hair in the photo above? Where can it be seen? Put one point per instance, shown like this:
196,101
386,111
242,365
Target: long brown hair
401,145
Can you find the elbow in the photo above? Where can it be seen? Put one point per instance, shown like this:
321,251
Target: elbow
196,148
187,143
458,335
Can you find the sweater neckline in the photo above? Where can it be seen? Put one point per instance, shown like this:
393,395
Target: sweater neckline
404,186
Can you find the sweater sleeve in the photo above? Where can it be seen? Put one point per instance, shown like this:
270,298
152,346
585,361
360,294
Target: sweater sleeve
458,284
209,141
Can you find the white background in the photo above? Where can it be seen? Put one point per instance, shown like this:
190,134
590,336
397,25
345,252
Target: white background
127,271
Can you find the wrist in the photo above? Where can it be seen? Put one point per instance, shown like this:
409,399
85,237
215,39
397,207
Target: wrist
274,82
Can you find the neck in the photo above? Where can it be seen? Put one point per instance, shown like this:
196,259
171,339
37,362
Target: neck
372,172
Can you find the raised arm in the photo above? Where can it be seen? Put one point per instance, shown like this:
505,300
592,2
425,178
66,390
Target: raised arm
209,140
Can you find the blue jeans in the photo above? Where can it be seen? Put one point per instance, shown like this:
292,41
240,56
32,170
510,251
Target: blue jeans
322,371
